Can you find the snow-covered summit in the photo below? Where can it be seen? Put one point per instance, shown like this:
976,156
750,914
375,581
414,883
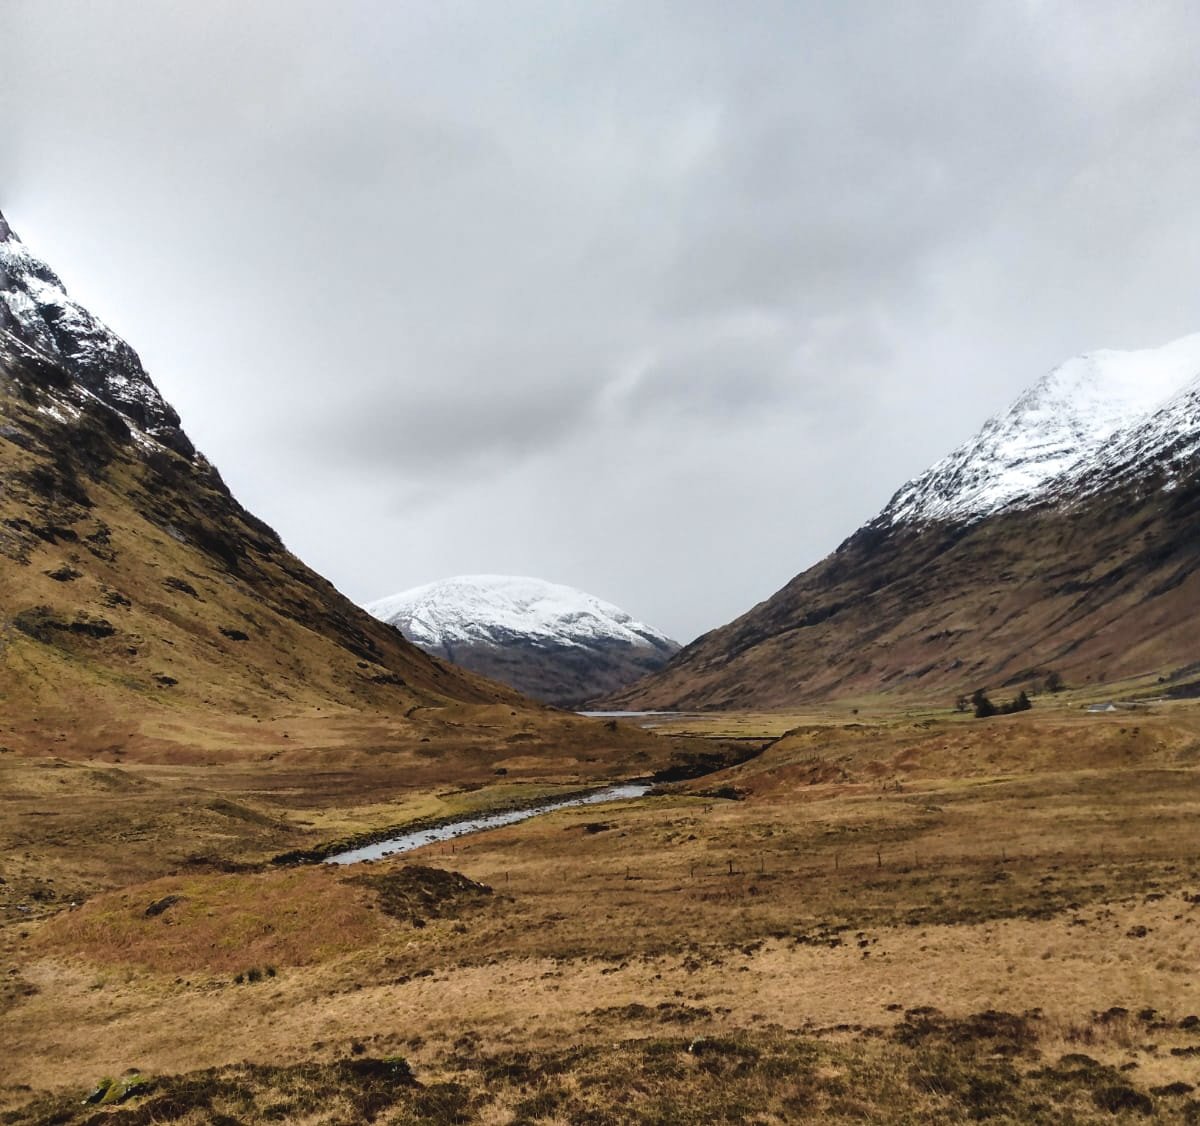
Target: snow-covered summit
496,609
36,311
1061,432
552,642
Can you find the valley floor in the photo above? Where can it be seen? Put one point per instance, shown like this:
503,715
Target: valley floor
902,918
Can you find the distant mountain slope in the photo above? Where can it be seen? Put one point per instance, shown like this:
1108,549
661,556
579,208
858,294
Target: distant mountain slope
131,581
552,642
1062,536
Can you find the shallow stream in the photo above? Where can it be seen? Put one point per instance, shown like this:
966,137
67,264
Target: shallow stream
409,841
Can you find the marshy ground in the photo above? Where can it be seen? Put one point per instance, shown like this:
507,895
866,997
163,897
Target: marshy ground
891,917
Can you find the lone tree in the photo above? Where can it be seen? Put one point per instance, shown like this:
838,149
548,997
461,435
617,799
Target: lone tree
1053,682
984,708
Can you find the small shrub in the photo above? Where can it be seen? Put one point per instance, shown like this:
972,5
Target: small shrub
123,1089
160,905
99,1091
1173,1090
1116,1099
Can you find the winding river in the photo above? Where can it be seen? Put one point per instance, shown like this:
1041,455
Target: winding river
409,841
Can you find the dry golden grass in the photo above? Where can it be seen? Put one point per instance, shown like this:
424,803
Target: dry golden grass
220,923
1044,865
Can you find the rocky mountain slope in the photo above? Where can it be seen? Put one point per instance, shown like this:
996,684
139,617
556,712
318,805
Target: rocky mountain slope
551,642
136,594
1061,537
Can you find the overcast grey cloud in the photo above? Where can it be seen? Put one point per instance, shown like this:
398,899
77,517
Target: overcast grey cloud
660,300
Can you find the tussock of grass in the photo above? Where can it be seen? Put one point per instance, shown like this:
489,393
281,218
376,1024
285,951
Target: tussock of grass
417,891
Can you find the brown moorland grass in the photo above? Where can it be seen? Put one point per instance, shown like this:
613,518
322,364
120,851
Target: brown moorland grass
928,1068
880,884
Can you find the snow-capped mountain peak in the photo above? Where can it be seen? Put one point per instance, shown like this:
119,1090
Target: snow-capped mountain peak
1055,434
36,311
553,642
495,608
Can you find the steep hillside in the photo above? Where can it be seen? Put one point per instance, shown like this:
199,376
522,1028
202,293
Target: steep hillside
551,642
139,602
1061,537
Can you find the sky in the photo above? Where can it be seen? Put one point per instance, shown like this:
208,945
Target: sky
660,299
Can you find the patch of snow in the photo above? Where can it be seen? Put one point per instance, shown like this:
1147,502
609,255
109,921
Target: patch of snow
59,411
